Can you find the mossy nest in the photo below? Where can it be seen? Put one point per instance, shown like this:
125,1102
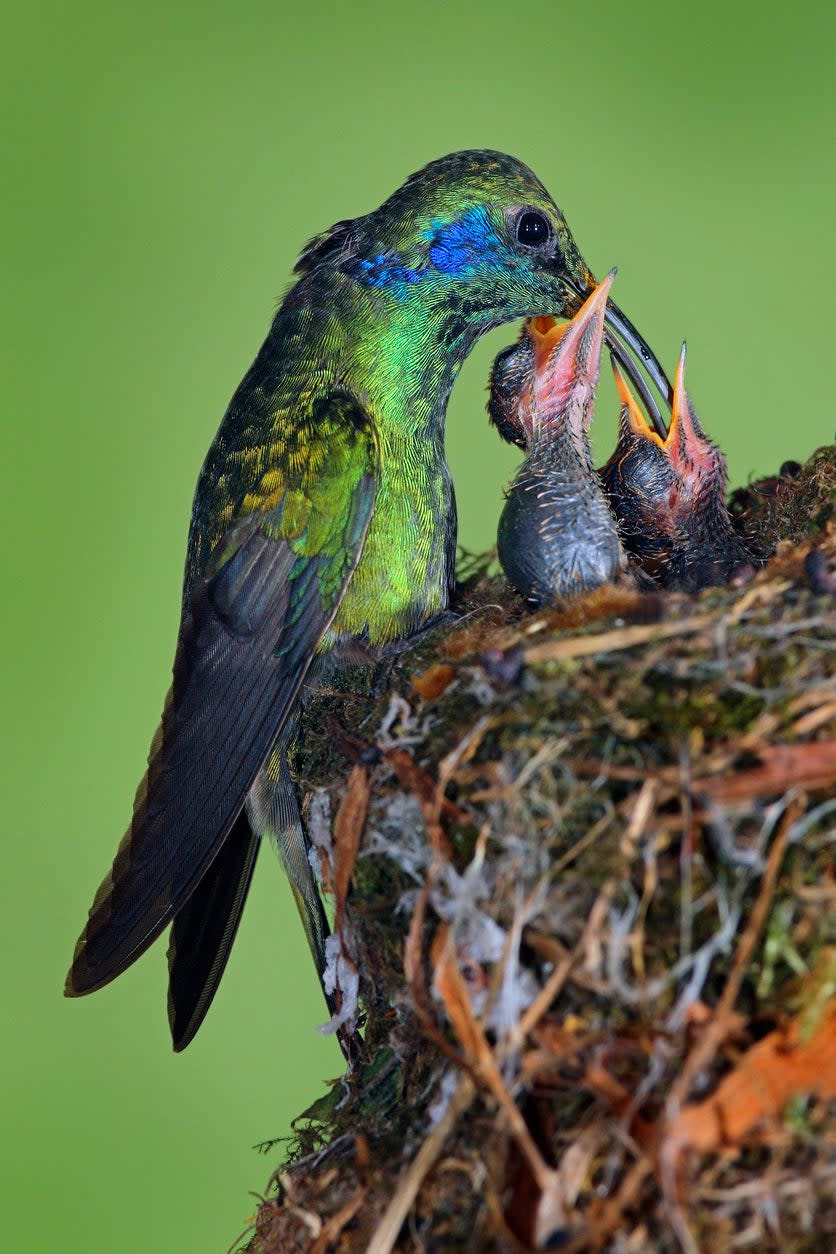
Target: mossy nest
584,874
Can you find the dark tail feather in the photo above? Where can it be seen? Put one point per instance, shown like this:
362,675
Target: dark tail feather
274,811
203,931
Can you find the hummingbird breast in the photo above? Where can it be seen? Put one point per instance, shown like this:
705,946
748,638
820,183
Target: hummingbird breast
406,570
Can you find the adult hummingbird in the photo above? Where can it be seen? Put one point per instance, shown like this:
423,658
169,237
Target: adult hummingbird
323,517
669,495
557,537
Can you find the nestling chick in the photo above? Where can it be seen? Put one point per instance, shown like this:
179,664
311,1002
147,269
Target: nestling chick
669,495
557,538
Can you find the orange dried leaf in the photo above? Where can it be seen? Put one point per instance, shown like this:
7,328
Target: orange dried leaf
783,766
554,1036
766,1077
449,983
434,681
411,775
414,777
413,966
348,828
609,601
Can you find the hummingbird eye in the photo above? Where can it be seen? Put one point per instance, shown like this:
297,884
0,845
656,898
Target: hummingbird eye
533,229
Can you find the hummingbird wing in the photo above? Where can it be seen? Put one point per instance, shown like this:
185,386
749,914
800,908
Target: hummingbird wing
203,930
248,635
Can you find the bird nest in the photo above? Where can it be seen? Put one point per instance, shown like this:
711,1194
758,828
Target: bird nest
584,882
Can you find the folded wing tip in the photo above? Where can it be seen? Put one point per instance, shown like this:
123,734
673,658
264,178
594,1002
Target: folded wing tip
78,981
86,975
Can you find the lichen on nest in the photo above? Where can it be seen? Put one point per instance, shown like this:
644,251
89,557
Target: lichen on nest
592,915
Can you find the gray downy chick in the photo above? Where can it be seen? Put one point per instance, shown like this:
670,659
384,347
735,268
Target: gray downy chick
669,495
557,537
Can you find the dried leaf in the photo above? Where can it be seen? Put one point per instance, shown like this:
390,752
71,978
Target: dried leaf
452,989
611,600
450,986
783,766
434,681
767,1076
348,828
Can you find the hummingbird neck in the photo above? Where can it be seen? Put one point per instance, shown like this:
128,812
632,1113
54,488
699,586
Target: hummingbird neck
416,355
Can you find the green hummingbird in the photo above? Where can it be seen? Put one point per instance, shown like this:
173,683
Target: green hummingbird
323,518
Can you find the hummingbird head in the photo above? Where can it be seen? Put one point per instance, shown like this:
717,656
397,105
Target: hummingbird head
473,240
481,235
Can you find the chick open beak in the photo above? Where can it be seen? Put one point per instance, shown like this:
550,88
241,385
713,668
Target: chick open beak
635,356
567,356
685,442
685,427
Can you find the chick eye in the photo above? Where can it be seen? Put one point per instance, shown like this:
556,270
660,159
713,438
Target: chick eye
532,229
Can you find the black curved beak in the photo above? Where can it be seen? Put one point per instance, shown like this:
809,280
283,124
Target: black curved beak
639,353
634,355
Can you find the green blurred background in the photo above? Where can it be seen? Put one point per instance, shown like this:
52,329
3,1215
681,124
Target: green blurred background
163,165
